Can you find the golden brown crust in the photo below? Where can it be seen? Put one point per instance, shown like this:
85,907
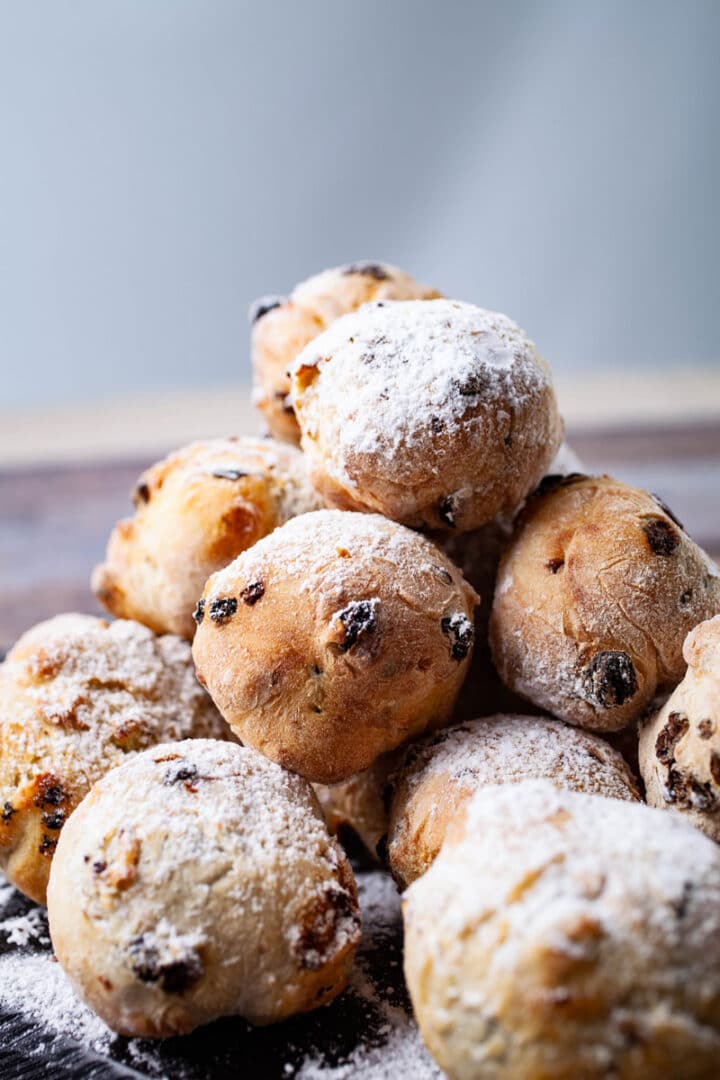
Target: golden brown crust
594,596
282,326
195,511
334,640
680,745
77,696
441,773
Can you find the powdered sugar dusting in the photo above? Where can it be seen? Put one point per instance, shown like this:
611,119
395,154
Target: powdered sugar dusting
400,370
508,748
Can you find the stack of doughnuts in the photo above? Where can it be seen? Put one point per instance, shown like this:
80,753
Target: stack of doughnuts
406,615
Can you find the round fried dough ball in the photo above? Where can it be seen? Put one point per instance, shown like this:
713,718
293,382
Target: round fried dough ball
78,695
568,936
594,596
197,881
438,414
282,326
680,746
333,640
442,772
195,511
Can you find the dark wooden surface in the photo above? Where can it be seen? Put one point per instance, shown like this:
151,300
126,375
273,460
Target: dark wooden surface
54,520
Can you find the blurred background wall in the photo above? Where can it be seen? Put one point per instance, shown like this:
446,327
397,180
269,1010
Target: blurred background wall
164,161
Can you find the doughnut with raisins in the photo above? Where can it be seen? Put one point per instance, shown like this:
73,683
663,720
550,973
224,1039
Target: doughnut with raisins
438,414
566,935
594,596
335,639
196,881
78,696
680,746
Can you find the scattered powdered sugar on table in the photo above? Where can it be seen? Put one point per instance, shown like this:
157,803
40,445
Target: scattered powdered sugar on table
36,986
385,1042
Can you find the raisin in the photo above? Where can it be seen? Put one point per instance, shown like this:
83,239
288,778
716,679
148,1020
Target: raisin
262,306
358,619
100,866
685,598
47,845
447,508
7,812
370,269
553,565
715,766
54,821
436,425
664,506
252,592
610,679
199,612
661,536
174,976
706,728
461,633
681,904
228,474
670,735
222,609
475,384
177,774
321,926
141,494
50,792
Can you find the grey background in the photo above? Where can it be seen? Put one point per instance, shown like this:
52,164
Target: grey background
164,161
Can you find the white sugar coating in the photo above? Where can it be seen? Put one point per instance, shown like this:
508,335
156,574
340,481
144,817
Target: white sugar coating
508,748
398,368
36,988
542,896
22,930
84,693
300,551
201,849
537,826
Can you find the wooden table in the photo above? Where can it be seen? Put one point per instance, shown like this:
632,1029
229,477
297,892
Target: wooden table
55,520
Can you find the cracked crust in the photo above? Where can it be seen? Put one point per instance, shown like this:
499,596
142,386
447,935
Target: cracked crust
566,935
283,326
594,596
78,696
680,745
198,881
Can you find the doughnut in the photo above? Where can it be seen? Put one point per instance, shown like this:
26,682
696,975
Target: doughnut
437,414
680,745
333,640
198,880
281,326
569,936
442,772
78,695
195,511
594,596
